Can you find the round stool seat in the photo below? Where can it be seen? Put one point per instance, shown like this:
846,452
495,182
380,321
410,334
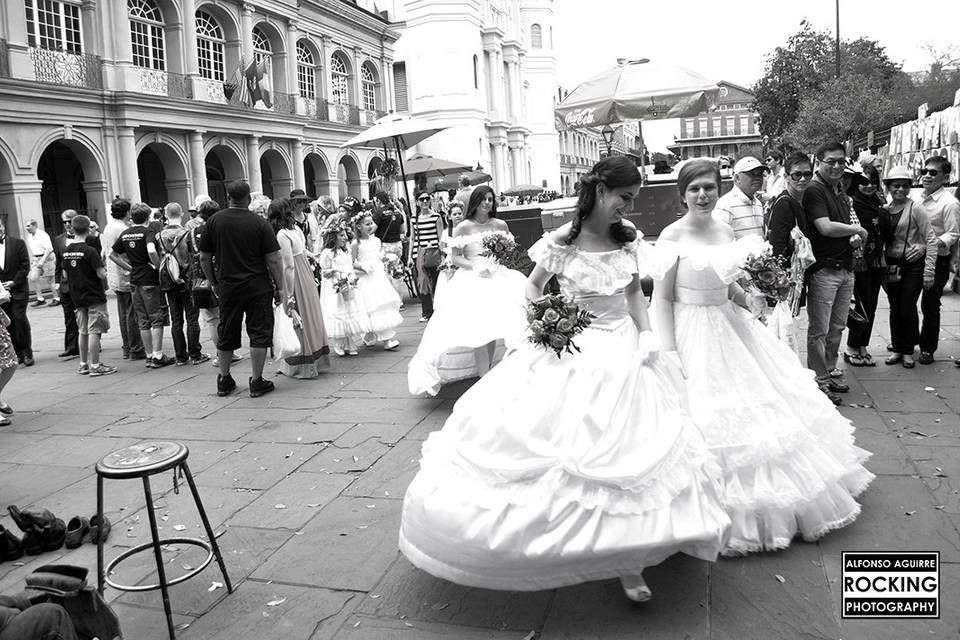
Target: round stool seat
142,459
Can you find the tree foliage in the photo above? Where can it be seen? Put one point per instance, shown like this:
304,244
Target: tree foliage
800,69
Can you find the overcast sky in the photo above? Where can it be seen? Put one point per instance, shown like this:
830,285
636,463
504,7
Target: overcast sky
729,39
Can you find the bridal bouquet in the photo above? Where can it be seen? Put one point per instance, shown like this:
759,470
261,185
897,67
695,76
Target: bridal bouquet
767,273
553,321
394,266
344,285
504,250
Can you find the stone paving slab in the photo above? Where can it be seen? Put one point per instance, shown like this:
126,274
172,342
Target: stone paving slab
257,465
292,502
389,477
365,628
298,432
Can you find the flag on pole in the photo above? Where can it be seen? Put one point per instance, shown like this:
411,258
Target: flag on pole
257,84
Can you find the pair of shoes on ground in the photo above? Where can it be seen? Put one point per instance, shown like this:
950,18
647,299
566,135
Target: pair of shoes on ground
100,370
899,358
340,351
43,531
158,363
79,527
859,359
226,385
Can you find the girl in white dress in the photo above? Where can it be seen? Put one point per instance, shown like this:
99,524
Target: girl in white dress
376,294
483,307
554,471
454,217
788,457
343,316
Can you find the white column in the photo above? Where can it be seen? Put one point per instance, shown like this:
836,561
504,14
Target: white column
324,91
299,182
500,105
514,96
253,163
357,92
386,75
293,34
517,170
129,179
198,164
246,35
502,176
191,64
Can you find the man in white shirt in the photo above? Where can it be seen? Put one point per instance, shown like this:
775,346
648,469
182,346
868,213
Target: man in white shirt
41,263
775,182
463,193
740,207
119,281
943,211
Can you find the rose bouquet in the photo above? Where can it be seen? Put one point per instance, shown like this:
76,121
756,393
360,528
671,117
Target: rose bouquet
767,273
504,250
553,321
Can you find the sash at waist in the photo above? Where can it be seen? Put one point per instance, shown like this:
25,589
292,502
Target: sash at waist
609,310
702,297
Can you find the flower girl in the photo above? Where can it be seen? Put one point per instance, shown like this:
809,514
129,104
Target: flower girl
343,314
376,294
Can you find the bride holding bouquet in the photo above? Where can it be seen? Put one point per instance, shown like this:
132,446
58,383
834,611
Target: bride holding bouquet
573,459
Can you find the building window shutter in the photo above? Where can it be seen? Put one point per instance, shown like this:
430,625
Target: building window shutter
400,86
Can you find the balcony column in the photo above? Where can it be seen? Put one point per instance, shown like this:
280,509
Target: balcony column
293,34
357,84
386,75
253,164
191,63
516,170
123,76
246,33
324,91
299,182
93,40
198,165
129,178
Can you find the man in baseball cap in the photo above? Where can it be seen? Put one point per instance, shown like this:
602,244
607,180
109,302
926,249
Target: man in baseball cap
740,207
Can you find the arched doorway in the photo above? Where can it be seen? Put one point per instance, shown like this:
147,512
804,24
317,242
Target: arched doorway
275,175
223,165
374,183
348,178
162,176
316,175
62,175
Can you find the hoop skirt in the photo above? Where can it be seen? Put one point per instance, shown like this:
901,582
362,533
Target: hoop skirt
475,310
555,471
789,460
376,293
343,314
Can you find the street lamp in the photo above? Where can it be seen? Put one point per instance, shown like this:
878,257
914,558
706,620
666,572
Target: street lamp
607,133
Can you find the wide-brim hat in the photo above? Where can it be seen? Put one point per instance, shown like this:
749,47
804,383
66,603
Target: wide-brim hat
898,173
856,171
299,195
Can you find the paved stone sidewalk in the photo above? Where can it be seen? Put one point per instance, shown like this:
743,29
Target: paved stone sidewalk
305,485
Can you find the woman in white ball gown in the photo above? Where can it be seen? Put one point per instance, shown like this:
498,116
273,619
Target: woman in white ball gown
555,471
789,460
482,311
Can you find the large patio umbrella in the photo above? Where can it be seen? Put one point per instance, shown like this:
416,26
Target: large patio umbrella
636,90
523,190
432,167
401,131
453,181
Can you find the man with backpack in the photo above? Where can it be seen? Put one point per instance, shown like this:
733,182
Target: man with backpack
176,273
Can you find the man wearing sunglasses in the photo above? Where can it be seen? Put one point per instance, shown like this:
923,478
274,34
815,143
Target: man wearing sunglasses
943,211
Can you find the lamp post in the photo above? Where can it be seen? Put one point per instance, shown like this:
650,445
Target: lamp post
607,133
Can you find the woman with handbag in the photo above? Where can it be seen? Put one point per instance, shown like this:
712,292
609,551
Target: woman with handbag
483,310
8,358
425,252
910,255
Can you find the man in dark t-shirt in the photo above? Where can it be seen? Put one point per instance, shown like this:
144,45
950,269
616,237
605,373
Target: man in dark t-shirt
830,279
71,347
136,251
87,279
248,278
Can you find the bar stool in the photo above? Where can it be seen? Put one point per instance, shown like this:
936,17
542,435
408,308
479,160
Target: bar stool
142,461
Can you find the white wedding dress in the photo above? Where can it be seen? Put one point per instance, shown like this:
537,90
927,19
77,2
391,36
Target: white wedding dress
789,460
555,471
475,310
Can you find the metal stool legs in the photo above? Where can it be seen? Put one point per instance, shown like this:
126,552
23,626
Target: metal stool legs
161,573
206,525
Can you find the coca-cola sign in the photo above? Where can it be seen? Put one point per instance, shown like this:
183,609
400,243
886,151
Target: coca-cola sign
580,117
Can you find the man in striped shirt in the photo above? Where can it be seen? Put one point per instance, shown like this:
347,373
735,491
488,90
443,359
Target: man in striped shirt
740,207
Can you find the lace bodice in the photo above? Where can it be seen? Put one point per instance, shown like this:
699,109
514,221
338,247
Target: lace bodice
704,272
472,244
368,253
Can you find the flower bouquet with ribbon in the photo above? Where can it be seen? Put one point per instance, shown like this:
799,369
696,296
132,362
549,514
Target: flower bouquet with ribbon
553,320
344,285
504,250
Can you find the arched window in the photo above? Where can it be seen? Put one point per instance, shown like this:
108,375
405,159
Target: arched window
210,45
261,47
146,34
536,37
368,85
339,91
306,72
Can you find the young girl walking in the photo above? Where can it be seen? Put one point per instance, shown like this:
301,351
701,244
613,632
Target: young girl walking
376,294
343,316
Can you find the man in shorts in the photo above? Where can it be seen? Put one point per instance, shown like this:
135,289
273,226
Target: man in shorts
136,251
87,280
248,279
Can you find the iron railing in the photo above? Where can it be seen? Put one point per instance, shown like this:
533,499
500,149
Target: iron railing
165,83
372,115
4,60
63,67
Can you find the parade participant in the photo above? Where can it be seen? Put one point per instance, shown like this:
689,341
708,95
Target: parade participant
343,317
135,250
790,466
42,264
248,279
943,212
8,362
71,348
910,249
482,313
454,217
14,268
555,471
301,289
87,278
377,296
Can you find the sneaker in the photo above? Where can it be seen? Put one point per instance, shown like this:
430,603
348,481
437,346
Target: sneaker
163,361
925,357
83,369
138,356
260,386
181,363
836,373
390,345
235,358
424,318
102,370
149,364
38,303
225,385
837,386
352,352
126,355
831,396
67,355
200,359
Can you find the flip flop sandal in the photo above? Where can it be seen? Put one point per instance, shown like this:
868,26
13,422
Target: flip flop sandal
895,358
868,360
909,364
854,359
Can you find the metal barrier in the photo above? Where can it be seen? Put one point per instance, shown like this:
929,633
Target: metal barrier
63,67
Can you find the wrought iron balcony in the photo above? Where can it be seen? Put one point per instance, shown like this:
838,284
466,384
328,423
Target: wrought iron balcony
63,67
370,116
164,83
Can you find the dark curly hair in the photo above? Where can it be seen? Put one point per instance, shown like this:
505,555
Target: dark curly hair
613,172
476,197
280,214
330,235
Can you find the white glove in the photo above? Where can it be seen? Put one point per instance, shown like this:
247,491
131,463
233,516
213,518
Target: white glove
649,347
